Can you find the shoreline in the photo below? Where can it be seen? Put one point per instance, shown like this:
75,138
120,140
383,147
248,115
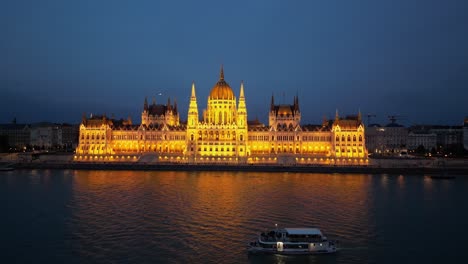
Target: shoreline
253,168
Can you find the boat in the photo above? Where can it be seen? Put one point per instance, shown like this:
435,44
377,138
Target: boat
293,241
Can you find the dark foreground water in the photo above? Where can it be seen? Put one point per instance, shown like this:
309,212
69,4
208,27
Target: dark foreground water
208,217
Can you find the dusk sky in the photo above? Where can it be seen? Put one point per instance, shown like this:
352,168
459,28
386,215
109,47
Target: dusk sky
60,59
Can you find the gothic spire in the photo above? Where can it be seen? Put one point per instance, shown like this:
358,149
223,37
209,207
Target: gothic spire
241,95
221,74
296,103
272,105
145,106
193,89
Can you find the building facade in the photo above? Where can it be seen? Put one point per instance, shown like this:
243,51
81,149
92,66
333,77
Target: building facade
388,139
46,135
18,135
223,135
465,133
417,139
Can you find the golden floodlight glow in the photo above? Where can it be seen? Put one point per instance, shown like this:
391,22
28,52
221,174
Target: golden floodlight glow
221,133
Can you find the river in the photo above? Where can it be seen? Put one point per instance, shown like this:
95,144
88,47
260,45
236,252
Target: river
80,216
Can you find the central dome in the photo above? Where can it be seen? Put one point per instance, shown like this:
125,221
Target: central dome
221,90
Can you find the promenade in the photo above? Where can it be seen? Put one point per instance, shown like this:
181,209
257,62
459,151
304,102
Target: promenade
376,166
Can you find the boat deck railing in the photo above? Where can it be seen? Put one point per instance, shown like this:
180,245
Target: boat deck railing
297,240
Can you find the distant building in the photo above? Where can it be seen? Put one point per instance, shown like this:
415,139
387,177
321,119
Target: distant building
448,136
465,133
18,135
223,135
70,136
422,138
46,135
391,138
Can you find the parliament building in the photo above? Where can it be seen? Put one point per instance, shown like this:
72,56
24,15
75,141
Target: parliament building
223,135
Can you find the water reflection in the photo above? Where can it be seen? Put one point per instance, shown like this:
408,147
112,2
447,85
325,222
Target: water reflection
205,213
200,217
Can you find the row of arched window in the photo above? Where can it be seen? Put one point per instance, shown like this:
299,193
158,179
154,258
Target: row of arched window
92,137
349,138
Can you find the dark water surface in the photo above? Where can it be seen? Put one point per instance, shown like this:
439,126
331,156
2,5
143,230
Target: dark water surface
53,216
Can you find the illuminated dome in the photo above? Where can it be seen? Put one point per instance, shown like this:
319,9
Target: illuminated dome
221,90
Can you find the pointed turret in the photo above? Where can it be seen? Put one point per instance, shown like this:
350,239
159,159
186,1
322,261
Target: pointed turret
359,115
272,105
175,106
296,103
193,90
169,107
145,105
241,95
242,109
221,74
337,117
192,119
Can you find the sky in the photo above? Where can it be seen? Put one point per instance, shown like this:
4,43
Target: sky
62,59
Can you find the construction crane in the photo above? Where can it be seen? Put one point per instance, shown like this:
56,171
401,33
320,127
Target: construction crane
393,118
369,117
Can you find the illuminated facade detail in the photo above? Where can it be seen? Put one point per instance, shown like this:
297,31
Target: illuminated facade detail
348,140
160,114
223,131
223,135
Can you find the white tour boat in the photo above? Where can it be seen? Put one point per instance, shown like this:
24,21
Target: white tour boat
293,241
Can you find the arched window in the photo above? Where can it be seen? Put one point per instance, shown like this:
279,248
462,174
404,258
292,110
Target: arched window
337,138
360,138
354,138
342,138
349,138
92,136
191,137
242,137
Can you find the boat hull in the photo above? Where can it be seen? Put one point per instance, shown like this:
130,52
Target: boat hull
260,250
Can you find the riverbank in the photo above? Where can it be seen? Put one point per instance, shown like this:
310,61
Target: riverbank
262,168
433,166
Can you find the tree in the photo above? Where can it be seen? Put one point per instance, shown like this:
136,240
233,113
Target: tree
421,149
3,143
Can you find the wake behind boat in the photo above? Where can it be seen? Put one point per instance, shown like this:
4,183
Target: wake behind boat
293,241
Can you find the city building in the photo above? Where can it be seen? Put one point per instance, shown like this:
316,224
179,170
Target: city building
388,139
69,136
18,135
448,136
223,135
37,136
465,133
45,135
421,138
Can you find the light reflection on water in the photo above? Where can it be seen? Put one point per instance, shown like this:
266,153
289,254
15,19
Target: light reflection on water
200,217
